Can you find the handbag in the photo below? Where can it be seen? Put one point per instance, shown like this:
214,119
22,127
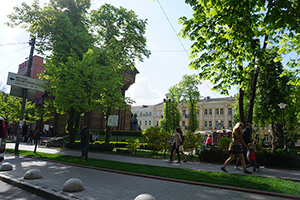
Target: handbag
236,148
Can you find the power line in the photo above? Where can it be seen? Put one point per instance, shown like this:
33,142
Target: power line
180,40
13,43
173,28
14,51
14,62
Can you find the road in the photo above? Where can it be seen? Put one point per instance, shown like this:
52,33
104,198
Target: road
9,192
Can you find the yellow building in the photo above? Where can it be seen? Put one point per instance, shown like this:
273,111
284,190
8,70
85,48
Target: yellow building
213,114
145,115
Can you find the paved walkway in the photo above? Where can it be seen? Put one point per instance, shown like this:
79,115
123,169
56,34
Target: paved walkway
107,185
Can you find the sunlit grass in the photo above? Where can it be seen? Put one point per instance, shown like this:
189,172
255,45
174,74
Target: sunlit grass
236,180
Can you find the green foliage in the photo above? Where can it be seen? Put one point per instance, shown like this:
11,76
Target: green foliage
157,138
133,144
230,41
10,108
193,141
224,143
172,116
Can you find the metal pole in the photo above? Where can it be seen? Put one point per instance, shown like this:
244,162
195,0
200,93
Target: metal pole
28,73
283,128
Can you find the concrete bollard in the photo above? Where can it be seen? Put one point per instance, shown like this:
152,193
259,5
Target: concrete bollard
33,174
144,197
73,185
6,167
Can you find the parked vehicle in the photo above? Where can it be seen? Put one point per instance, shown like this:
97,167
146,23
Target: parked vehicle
2,139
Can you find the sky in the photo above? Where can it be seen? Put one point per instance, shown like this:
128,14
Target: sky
168,62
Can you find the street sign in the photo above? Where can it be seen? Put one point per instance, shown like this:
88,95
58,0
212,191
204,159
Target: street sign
25,82
17,91
113,120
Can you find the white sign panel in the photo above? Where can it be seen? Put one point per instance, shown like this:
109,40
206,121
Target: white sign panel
25,82
113,120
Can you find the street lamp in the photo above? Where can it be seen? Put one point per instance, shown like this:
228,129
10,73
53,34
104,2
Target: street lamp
282,107
166,101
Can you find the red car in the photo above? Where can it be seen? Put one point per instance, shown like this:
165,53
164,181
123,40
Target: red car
2,139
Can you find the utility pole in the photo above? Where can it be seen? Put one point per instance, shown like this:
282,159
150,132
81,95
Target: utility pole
28,73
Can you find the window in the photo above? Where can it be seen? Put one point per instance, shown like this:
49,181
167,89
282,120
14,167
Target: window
183,123
149,123
205,123
229,111
157,113
183,112
210,124
230,123
217,111
141,114
222,124
150,113
266,138
205,112
145,122
210,111
217,124
221,111
146,114
156,123
140,123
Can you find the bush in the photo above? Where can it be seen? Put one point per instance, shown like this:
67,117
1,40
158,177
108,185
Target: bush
157,138
224,143
133,144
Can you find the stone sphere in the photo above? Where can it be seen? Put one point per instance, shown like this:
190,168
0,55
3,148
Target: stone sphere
33,174
6,167
73,185
144,197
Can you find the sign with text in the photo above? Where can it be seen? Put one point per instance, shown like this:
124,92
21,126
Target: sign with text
113,120
25,82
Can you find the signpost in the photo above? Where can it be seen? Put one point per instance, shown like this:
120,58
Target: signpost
25,82
113,120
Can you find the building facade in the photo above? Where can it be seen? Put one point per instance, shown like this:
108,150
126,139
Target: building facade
212,115
145,115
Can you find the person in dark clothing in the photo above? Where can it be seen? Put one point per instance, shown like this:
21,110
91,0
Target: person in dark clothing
247,137
83,139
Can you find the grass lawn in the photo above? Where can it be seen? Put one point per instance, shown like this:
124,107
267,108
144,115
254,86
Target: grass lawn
242,181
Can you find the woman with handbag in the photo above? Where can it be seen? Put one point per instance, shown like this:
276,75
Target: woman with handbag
235,147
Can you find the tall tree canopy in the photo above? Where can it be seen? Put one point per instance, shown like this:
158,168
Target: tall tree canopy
89,51
231,37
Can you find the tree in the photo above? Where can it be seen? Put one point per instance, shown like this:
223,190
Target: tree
10,108
272,89
72,34
231,39
172,116
187,92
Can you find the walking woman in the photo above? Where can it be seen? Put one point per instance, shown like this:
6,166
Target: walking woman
176,140
235,147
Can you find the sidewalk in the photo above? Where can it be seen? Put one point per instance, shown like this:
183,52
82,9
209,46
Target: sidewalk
108,185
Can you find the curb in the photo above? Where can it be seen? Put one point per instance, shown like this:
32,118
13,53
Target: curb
178,180
34,189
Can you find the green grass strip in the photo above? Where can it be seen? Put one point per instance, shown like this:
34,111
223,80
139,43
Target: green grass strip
250,182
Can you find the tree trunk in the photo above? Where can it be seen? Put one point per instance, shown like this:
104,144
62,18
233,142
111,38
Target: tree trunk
108,128
273,137
252,95
73,124
241,100
56,119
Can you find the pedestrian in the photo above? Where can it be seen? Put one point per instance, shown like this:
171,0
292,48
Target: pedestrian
208,142
83,139
176,140
247,138
235,147
251,158
30,137
180,149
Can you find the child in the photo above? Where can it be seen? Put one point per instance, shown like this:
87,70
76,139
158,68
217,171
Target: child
251,158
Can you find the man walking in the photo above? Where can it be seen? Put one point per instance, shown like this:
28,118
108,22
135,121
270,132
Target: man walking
83,139
247,137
